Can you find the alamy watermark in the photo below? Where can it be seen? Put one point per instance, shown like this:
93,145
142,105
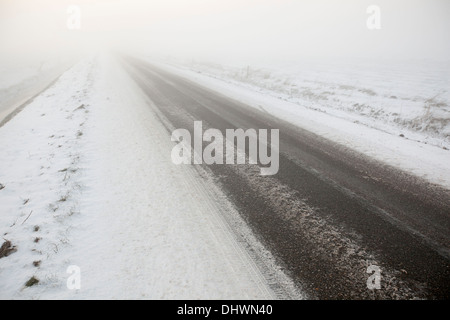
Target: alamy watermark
74,17
74,280
374,20
374,280
228,149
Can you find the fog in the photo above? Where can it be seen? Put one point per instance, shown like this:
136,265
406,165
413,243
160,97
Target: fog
234,30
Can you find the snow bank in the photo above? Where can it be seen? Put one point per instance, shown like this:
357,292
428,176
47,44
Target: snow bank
40,171
21,80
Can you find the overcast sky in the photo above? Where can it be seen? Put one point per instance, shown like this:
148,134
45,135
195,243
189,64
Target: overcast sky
238,29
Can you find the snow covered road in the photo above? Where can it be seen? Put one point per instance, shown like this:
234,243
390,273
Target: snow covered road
88,183
92,206
330,212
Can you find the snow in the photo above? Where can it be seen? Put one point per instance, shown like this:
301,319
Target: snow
88,182
375,129
21,80
412,98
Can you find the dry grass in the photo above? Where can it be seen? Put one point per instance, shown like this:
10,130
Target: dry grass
33,281
6,249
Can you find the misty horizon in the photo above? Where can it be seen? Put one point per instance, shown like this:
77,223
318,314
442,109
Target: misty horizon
230,31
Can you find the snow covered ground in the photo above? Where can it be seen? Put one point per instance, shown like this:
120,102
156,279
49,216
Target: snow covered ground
86,180
396,113
21,80
412,98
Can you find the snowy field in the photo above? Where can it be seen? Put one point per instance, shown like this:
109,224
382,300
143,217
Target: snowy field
397,115
86,180
410,99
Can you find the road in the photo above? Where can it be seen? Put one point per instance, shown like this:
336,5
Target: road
329,212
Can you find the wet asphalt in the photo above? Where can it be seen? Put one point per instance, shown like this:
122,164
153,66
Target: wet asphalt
329,212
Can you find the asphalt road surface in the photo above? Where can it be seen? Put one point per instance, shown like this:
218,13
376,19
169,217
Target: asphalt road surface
329,212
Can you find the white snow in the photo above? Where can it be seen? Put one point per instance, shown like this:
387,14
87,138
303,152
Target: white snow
373,130
88,181
412,97
21,80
